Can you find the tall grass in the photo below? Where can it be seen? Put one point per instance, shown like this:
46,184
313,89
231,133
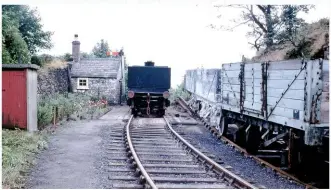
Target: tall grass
18,150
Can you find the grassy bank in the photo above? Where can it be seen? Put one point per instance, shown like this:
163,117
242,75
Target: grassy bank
18,151
19,147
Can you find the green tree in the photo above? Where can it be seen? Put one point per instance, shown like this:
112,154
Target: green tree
291,23
30,27
267,22
36,60
14,48
84,55
100,49
67,57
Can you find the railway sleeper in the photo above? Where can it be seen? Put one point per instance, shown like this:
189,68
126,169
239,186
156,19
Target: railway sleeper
155,146
124,177
120,169
181,175
183,179
155,131
192,186
116,148
160,165
123,157
144,135
161,154
154,143
127,186
177,171
152,140
156,150
148,158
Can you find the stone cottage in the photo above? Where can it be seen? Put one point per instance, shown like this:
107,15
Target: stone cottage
97,77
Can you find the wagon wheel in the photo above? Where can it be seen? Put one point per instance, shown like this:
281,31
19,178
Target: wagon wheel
223,126
253,137
161,112
134,112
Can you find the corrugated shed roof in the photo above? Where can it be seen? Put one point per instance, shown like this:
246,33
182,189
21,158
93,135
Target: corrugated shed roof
96,67
20,66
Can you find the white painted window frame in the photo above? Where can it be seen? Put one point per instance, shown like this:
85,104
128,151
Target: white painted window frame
79,87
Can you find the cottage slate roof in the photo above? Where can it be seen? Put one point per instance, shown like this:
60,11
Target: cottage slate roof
96,68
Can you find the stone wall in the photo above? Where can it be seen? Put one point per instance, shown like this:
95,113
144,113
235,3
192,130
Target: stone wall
53,80
101,87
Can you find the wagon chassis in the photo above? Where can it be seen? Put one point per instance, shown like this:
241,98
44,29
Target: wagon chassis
268,131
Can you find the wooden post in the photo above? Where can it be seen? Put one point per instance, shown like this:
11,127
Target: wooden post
54,115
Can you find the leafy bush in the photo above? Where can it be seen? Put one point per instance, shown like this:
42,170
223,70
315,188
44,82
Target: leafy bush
45,114
67,57
42,60
45,58
179,92
93,98
65,104
36,60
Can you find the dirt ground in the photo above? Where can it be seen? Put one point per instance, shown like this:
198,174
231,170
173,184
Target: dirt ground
74,156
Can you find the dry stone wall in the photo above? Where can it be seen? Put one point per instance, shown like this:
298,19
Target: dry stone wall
53,80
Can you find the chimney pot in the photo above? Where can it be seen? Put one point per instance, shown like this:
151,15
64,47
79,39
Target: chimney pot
76,49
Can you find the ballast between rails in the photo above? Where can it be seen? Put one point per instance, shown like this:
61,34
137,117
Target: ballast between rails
231,178
237,181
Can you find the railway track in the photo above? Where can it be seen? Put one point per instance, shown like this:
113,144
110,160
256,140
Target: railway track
121,173
160,158
214,132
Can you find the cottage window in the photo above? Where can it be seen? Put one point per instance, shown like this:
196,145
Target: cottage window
82,83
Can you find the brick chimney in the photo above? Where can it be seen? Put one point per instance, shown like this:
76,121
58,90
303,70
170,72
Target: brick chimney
76,49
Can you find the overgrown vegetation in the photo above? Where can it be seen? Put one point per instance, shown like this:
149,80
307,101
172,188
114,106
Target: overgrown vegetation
68,105
311,42
179,91
18,150
65,104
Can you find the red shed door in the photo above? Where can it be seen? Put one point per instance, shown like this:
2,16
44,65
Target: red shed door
14,104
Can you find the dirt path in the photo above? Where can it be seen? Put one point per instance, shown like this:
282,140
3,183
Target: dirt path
76,157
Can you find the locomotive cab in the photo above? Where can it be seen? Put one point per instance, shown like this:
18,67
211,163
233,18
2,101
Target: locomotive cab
148,89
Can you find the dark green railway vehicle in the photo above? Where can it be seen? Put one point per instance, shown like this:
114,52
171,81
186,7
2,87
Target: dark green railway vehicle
148,89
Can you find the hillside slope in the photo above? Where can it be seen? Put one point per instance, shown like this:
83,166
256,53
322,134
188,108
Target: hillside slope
315,45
